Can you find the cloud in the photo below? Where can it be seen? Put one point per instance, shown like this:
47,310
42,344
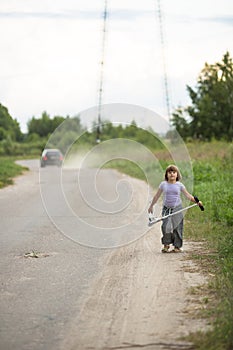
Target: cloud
50,15
121,14
221,19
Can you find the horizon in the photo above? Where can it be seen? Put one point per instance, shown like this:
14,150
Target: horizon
51,53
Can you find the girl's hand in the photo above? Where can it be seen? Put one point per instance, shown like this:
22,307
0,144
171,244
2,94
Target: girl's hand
199,203
150,209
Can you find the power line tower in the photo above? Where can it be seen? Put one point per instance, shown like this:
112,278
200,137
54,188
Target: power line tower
102,61
104,31
165,76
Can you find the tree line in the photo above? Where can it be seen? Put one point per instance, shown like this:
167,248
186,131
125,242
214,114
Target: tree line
210,115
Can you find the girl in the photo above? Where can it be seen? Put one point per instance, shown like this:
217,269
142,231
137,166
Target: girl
172,227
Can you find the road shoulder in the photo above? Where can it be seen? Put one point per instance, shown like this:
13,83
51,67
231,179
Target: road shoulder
141,298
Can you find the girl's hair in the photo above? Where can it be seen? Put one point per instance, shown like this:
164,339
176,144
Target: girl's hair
173,168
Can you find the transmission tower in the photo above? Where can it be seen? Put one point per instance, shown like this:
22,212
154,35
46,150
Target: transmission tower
165,76
105,15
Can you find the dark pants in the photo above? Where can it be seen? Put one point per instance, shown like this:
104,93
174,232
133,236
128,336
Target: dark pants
172,227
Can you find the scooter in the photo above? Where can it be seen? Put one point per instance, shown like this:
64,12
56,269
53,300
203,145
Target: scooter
154,220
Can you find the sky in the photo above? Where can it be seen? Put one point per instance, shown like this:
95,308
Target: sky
51,51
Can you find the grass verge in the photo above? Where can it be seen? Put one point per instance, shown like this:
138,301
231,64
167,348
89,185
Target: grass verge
8,170
213,183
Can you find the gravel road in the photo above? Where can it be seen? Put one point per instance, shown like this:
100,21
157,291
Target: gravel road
74,294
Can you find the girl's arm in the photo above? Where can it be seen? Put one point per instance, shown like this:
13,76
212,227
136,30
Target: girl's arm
190,197
154,200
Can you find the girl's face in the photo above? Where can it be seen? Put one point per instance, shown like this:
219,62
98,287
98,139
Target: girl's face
172,175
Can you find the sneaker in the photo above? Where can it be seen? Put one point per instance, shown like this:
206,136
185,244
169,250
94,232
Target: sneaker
165,249
176,250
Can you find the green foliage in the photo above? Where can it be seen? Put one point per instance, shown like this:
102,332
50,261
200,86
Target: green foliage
44,126
213,179
213,184
8,170
127,167
3,133
8,126
64,137
180,122
211,113
71,133
147,138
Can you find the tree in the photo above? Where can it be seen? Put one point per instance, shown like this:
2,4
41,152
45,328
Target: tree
9,126
44,126
180,122
211,112
65,135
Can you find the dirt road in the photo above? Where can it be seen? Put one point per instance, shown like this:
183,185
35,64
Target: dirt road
139,300
81,298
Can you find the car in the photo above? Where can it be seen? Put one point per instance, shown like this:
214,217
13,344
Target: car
51,157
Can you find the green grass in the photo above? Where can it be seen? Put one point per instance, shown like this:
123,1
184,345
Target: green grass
213,183
127,167
8,170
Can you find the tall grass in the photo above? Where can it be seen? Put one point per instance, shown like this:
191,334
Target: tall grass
213,183
8,170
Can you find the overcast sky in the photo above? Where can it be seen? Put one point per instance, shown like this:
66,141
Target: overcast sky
51,52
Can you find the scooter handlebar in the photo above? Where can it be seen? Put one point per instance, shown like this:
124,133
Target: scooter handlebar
197,201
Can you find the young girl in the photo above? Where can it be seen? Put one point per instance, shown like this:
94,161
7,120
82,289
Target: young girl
172,227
